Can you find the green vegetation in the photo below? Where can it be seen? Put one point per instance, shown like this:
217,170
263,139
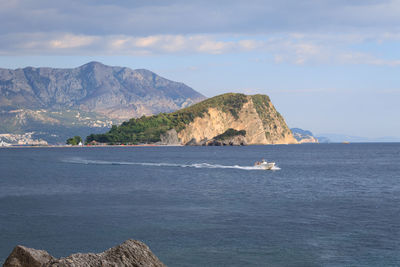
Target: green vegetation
149,129
134,131
230,133
266,111
229,102
74,140
261,103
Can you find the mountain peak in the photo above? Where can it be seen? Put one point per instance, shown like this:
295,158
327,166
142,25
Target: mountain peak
93,63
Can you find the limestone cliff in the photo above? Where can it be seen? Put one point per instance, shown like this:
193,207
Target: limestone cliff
205,120
258,117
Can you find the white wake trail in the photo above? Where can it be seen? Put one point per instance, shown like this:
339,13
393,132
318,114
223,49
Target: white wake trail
164,164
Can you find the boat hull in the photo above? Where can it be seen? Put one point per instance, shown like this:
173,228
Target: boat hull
266,166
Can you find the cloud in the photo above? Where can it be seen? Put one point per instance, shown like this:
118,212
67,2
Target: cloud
295,32
72,41
367,59
120,44
143,18
298,49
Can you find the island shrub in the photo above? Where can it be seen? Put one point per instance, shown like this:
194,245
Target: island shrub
261,103
74,140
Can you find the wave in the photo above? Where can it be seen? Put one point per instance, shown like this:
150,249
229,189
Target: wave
164,164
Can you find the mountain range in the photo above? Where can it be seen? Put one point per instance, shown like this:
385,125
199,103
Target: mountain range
339,138
53,103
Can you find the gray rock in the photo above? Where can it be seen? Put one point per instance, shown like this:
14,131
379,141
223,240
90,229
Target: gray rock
233,141
170,138
22,256
238,140
192,142
130,253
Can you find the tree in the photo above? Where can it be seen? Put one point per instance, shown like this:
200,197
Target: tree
74,140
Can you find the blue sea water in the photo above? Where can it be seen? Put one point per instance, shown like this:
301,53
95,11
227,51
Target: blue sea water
328,205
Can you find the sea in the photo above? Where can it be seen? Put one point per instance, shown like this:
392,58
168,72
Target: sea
324,204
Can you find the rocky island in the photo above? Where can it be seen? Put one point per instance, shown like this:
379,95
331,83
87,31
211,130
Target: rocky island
228,119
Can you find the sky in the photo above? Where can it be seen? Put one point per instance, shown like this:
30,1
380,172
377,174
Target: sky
329,66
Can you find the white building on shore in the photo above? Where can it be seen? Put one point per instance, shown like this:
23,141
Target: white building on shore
2,143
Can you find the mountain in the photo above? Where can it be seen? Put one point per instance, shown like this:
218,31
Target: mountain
94,96
222,116
303,136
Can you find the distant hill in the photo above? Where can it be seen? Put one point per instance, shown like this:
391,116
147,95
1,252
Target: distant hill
228,116
303,136
339,138
55,102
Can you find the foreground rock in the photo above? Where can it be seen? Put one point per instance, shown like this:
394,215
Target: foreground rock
130,253
22,256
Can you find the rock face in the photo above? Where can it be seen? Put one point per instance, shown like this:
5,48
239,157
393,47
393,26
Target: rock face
231,137
258,117
303,136
23,257
233,141
130,253
170,138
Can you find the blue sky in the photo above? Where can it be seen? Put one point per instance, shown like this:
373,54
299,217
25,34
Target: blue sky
328,66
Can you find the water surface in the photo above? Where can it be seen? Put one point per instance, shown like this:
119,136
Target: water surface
328,205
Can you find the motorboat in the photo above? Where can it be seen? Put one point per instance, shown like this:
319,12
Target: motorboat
263,164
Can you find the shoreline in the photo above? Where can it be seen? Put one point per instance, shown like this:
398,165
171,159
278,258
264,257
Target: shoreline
155,145
83,146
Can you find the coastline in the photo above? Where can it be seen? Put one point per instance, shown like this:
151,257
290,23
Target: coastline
155,145
84,146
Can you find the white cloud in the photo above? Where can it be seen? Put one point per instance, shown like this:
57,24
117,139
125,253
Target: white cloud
296,32
72,41
293,48
146,42
214,47
367,59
